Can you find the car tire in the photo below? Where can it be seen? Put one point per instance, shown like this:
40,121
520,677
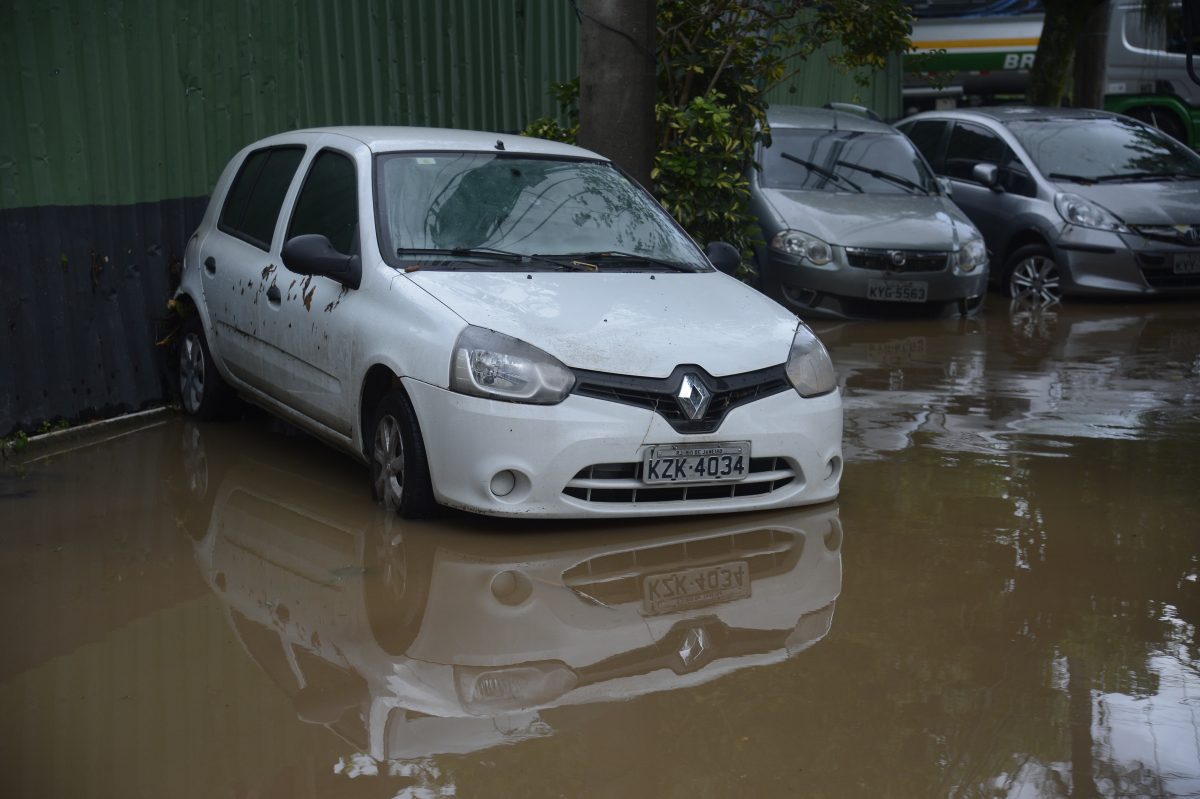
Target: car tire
398,573
399,466
1032,274
202,391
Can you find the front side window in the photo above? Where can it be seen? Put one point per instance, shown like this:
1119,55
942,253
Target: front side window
328,201
844,161
970,145
252,205
523,206
1106,149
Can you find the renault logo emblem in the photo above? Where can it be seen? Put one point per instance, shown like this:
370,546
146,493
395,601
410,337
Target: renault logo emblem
693,397
694,646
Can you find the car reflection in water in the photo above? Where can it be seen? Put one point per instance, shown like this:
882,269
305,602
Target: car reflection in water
418,639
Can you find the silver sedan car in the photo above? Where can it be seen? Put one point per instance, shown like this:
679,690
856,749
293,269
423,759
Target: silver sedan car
1072,202
855,224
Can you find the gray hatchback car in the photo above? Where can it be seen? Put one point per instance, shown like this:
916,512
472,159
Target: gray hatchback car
855,223
1071,201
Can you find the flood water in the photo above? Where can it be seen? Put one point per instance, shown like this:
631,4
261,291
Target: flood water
1003,603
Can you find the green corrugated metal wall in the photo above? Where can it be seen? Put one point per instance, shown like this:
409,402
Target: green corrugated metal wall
817,81
109,102
119,101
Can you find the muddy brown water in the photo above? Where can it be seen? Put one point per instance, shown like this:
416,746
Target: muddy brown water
1003,603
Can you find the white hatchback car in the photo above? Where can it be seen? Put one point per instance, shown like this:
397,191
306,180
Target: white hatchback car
500,324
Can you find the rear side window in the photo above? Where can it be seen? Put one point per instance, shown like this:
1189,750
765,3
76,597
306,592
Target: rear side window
254,200
926,136
328,201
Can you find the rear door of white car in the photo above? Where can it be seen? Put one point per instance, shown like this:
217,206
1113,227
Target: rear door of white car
234,257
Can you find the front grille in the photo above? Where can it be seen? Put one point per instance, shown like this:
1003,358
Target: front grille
622,482
616,578
658,394
886,260
1187,235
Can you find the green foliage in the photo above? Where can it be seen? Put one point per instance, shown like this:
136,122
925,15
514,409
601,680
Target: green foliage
716,59
14,443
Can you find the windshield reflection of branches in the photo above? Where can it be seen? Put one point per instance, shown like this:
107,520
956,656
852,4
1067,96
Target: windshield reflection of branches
873,151
524,205
1102,147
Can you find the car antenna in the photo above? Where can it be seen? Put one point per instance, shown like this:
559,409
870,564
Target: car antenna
499,144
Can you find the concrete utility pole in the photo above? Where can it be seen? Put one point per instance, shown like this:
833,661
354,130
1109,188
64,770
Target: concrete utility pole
617,82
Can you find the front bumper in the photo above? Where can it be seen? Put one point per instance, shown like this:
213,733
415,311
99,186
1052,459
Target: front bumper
1100,263
840,290
550,452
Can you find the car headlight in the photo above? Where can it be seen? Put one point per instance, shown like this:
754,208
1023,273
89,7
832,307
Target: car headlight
809,369
804,245
971,255
496,366
1085,213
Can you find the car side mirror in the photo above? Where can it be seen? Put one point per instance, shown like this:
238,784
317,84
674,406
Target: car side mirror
946,186
724,256
314,254
987,175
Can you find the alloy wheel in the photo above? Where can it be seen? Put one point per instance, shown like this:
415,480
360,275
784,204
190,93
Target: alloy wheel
1035,279
388,462
191,373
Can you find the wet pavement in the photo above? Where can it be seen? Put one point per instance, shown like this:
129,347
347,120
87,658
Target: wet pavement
1003,603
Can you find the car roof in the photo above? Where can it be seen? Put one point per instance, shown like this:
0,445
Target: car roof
387,138
807,118
1014,113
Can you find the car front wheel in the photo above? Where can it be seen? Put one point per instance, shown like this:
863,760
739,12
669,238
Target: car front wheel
1034,276
399,467
201,390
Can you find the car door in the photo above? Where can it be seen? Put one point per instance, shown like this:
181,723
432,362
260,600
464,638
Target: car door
307,321
992,209
234,256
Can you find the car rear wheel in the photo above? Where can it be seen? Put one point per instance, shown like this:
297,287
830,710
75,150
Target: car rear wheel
202,392
399,467
1034,276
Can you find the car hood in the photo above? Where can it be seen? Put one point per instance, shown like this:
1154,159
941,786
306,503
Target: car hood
872,220
1166,203
628,322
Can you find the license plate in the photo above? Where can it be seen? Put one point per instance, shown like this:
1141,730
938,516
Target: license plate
722,462
671,592
1187,263
898,351
897,290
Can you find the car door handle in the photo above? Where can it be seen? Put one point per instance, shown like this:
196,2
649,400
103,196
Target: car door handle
273,294
210,265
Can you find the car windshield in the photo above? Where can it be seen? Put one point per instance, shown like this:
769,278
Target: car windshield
846,160
1103,149
485,210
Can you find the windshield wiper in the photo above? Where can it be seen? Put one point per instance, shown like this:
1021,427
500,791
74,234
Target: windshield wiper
483,253
1136,176
1072,178
581,259
903,182
822,171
